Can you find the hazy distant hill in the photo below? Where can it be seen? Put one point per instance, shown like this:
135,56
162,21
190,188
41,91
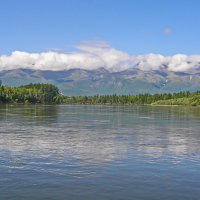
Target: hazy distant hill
102,81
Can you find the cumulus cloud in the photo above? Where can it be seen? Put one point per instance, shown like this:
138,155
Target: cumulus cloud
151,61
177,63
96,54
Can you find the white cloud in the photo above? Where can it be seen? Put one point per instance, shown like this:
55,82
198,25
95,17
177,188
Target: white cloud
96,54
151,61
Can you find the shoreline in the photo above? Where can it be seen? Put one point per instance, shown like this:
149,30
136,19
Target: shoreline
107,104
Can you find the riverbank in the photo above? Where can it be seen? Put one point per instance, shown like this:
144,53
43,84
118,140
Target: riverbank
50,94
174,99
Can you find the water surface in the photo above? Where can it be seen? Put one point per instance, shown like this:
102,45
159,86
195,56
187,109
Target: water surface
77,152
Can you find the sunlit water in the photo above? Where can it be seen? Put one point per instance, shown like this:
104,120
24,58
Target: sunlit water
99,153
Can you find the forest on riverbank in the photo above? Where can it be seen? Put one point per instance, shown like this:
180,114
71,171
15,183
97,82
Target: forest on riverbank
50,94
181,98
32,93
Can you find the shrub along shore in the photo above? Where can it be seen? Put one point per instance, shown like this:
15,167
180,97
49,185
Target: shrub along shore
49,94
32,93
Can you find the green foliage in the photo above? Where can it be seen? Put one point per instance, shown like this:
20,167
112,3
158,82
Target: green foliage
32,93
181,98
49,94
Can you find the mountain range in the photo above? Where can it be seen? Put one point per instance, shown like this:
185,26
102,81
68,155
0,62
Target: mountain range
101,81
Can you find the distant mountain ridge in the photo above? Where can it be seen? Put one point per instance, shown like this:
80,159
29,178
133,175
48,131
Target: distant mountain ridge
101,81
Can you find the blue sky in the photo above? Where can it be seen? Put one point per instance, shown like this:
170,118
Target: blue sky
134,26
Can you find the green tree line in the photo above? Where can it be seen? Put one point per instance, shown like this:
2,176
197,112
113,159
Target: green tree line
180,98
32,93
49,94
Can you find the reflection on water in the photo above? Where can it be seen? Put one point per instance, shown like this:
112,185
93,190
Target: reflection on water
99,152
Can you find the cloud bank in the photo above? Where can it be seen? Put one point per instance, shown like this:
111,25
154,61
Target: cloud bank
93,55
